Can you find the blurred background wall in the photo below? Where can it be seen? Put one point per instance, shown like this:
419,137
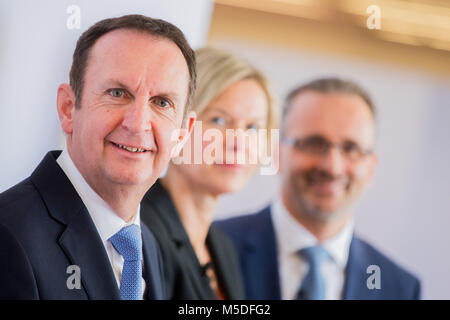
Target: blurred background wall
405,65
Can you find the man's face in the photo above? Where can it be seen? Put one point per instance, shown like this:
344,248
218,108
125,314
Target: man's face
134,93
323,184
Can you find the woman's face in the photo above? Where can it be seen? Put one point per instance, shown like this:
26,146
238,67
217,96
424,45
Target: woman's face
219,139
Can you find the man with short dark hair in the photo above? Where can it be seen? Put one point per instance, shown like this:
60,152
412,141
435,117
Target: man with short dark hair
303,245
72,229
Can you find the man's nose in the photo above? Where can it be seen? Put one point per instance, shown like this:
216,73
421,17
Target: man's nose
333,161
137,118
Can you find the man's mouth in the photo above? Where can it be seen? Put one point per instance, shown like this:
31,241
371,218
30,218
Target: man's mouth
130,149
325,185
328,188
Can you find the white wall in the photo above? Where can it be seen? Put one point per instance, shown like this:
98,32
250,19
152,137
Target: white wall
35,56
406,211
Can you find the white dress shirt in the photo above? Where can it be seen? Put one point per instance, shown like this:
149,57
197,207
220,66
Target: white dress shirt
105,219
291,237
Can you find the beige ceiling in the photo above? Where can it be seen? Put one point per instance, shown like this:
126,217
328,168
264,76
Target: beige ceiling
414,22
415,34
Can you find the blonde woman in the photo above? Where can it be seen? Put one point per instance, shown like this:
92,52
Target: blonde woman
199,260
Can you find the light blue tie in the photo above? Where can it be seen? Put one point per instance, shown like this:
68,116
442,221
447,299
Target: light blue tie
313,285
128,242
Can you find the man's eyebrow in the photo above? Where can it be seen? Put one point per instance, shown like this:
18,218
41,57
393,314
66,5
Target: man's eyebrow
318,136
315,136
117,84
170,94
351,141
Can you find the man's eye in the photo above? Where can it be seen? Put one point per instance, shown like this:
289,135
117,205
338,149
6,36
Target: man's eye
351,148
161,102
316,145
218,120
116,93
253,127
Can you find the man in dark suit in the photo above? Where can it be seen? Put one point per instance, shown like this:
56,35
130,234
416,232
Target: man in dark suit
303,245
72,229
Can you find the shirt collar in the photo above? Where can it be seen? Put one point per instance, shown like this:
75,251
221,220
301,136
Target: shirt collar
292,236
105,219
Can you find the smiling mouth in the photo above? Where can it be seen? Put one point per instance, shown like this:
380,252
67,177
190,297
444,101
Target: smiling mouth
130,149
328,188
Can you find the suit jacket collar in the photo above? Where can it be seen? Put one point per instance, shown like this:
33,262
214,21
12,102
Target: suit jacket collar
262,263
228,280
356,276
292,236
80,240
160,199
106,221
152,272
261,248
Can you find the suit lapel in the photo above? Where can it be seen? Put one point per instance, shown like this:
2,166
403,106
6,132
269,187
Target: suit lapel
355,287
200,284
262,263
82,244
224,274
80,240
152,262
166,210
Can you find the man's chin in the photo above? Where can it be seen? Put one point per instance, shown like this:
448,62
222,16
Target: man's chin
326,212
131,179
327,203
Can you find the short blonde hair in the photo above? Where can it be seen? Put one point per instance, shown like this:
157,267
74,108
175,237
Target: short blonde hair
217,70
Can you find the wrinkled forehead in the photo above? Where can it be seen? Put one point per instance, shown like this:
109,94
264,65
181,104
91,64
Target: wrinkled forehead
337,117
137,57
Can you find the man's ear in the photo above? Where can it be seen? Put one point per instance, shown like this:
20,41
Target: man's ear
65,103
184,134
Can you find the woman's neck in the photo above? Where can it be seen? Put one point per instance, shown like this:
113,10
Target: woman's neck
195,206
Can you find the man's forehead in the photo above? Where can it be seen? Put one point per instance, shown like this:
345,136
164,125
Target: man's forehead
337,116
136,59
125,36
126,45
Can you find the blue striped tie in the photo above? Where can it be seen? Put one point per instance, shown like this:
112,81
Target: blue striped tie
313,285
128,242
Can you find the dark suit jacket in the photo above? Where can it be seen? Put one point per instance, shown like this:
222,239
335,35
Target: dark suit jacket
44,228
183,274
254,237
